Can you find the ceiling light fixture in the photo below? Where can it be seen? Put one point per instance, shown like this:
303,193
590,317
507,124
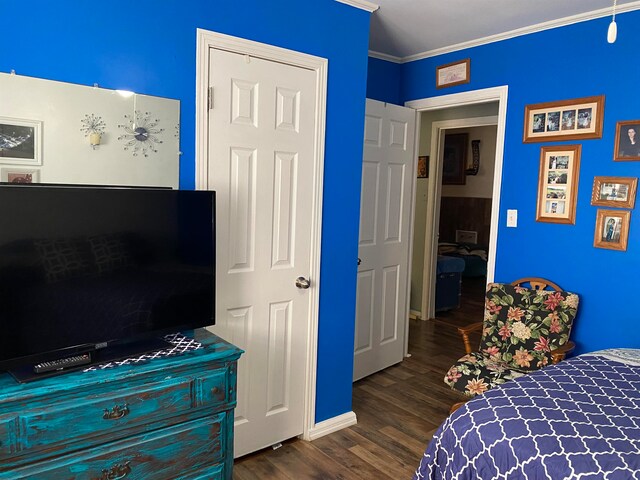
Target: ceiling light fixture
612,33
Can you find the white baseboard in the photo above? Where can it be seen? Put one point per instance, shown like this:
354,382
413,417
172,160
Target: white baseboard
415,314
332,425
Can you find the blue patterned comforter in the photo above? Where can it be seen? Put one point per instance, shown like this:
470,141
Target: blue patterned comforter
579,419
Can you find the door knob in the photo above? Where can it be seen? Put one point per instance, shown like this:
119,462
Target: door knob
302,282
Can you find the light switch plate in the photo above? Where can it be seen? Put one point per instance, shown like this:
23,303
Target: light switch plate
512,218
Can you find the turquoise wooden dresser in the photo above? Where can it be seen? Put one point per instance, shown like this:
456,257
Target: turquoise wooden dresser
167,418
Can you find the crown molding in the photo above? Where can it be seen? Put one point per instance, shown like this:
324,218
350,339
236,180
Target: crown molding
539,27
362,4
384,56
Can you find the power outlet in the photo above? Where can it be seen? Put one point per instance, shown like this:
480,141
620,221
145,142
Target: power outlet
512,218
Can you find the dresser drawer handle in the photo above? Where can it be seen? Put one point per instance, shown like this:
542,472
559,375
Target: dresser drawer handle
115,473
116,413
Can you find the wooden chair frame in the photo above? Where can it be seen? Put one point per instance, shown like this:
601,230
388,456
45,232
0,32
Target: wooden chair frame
537,283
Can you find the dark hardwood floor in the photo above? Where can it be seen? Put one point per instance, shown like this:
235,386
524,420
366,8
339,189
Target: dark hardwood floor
398,411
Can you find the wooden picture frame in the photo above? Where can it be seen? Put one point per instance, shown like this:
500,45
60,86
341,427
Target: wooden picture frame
423,166
558,184
20,175
454,73
617,192
627,146
21,142
454,161
577,119
612,229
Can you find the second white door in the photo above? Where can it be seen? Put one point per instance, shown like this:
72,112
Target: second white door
387,185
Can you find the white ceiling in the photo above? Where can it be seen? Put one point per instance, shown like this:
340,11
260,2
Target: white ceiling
403,30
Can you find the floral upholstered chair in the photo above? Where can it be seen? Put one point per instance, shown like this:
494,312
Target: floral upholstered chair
524,329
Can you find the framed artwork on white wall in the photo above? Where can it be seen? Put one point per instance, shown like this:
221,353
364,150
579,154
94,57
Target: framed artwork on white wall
20,141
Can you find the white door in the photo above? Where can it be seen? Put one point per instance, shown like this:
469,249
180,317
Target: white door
385,207
261,151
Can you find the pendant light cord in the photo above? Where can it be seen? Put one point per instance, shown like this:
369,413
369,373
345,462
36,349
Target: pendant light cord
612,32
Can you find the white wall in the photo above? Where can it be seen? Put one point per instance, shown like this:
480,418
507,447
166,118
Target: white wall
67,156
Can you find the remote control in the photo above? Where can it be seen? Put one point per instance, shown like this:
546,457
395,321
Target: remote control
62,363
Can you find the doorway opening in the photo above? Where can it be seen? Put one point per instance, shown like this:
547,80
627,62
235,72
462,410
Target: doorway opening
481,115
463,226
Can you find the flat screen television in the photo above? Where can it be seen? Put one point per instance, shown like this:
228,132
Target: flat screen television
101,272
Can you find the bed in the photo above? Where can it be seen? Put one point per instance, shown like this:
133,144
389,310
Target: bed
474,256
577,419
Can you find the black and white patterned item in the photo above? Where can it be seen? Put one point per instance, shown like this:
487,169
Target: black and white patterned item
579,419
180,344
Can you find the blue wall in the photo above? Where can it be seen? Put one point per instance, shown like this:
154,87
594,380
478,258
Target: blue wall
150,47
563,63
383,82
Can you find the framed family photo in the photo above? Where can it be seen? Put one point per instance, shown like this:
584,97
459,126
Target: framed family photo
558,184
627,147
581,118
614,192
612,229
20,141
455,73
20,175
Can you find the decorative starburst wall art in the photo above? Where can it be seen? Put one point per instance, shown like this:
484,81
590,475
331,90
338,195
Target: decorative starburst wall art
92,124
140,133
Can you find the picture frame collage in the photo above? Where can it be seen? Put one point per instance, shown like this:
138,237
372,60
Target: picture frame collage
582,118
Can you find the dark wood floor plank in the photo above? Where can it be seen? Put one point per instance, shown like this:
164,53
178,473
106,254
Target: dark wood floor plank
295,466
324,463
384,379
337,446
378,455
411,443
387,466
257,466
398,410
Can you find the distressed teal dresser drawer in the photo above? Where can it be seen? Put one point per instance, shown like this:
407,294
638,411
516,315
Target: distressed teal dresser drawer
171,452
71,419
169,418
112,411
213,390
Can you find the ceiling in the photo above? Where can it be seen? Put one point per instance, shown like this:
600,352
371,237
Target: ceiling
403,30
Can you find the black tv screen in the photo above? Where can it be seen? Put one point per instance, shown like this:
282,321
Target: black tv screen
82,268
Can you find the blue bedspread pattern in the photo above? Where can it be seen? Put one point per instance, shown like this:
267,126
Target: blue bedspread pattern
579,419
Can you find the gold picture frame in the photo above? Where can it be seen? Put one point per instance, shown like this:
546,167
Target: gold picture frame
617,192
627,146
612,229
558,184
454,73
577,119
